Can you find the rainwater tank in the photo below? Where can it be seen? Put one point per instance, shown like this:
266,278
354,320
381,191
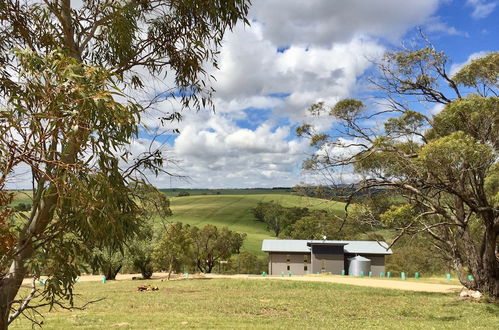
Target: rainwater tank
359,266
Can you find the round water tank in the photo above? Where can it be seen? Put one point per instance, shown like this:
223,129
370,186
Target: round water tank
359,266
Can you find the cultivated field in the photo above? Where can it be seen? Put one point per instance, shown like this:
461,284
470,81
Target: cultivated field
231,303
234,211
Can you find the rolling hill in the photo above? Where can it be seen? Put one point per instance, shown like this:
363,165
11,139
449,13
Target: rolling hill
234,211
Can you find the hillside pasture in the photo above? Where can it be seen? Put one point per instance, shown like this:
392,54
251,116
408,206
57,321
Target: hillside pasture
235,212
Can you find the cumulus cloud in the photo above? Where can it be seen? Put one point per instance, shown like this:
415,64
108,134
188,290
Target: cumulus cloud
481,8
458,66
321,22
294,54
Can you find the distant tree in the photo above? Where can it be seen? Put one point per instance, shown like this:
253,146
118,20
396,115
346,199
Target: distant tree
211,244
443,165
173,247
137,250
183,194
416,254
247,263
278,218
322,223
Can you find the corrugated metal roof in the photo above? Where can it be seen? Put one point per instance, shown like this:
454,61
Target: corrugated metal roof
353,247
285,245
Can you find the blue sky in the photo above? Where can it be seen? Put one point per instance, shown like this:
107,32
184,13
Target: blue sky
294,54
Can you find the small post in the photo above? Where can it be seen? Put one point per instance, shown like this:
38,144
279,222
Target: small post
448,277
104,279
361,274
282,274
416,275
290,273
186,276
470,277
381,275
370,274
343,272
388,275
264,274
42,282
402,275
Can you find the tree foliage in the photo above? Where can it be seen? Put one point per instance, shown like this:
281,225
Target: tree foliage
211,245
444,166
69,87
277,217
173,248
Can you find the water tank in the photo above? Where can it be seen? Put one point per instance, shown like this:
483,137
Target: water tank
359,266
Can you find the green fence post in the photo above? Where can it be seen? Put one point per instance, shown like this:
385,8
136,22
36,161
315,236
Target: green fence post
402,275
381,275
416,275
290,273
448,277
186,276
470,277
282,274
104,279
264,274
370,274
361,274
388,275
343,272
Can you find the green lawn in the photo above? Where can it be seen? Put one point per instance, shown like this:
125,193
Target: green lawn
231,304
234,211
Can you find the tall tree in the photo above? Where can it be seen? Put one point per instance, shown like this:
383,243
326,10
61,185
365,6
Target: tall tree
211,245
173,248
444,165
67,76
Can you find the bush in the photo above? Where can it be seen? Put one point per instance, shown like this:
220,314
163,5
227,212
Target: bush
183,194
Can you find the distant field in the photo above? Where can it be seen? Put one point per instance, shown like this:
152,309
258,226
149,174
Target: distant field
236,304
234,211
250,191
22,196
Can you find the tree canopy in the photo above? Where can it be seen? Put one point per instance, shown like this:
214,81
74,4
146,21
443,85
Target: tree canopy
70,80
444,165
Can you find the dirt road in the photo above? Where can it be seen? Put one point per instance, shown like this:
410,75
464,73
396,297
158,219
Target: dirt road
369,282
374,283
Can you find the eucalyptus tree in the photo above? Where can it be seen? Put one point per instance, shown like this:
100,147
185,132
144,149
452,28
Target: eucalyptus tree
442,162
68,71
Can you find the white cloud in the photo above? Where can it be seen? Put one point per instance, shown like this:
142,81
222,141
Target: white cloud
321,22
458,66
481,8
435,24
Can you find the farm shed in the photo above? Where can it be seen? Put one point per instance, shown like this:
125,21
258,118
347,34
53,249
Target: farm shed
315,256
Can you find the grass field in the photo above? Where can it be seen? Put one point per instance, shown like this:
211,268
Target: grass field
231,304
234,211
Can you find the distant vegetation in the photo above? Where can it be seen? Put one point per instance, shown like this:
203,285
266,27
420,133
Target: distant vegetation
174,192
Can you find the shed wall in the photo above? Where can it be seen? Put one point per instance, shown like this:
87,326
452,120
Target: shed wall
279,262
327,259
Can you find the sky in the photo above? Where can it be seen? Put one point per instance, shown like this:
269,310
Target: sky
294,54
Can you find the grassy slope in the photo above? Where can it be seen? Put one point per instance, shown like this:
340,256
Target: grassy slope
234,211
235,304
